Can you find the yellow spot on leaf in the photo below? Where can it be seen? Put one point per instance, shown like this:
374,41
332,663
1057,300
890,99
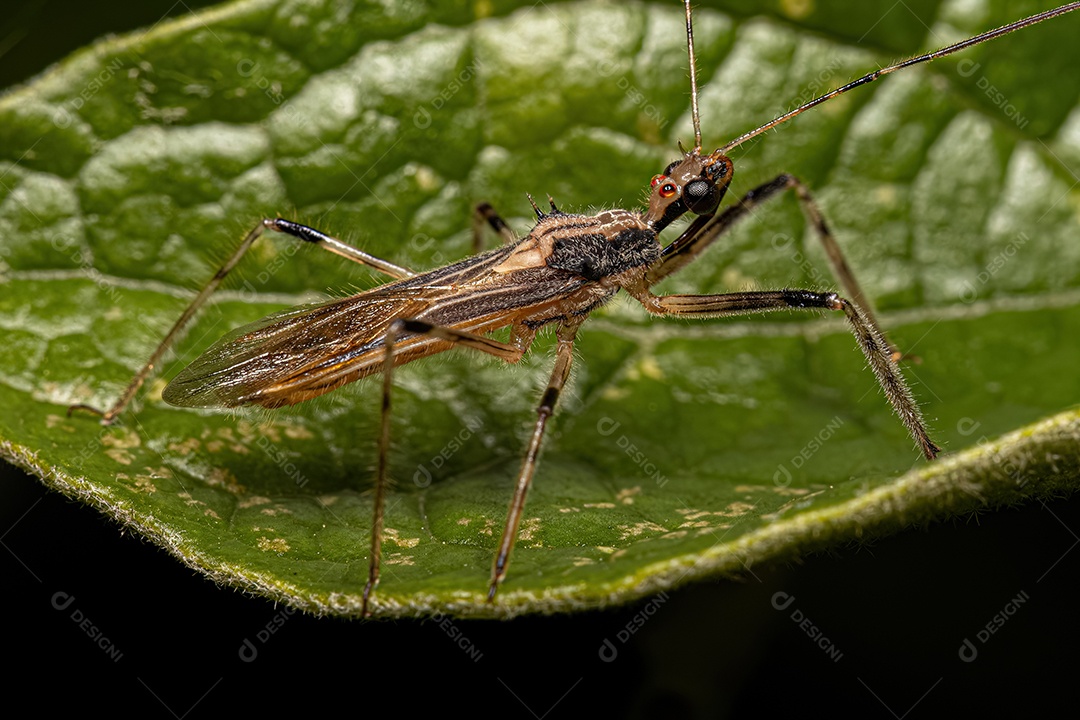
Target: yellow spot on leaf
120,455
222,478
145,484
886,195
157,385
426,179
737,509
190,501
796,9
298,432
123,438
392,535
229,436
615,392
276,545
650,368
186,446
696,524
734,279
527,533
270,431
637,529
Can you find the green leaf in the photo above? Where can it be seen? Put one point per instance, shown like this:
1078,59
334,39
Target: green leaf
681,450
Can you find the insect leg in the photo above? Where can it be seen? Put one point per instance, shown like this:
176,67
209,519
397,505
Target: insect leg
332,244
564,354
870,339
484,214
704,230
288,227
510,352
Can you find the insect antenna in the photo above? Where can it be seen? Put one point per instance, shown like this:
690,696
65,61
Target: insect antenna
871,77
693,79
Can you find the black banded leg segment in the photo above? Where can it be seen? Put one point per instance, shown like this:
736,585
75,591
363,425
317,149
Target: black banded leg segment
339,248
509,352
564,355
704,230
483,215
287,227
870,339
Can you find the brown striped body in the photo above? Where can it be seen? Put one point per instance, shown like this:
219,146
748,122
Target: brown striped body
564,268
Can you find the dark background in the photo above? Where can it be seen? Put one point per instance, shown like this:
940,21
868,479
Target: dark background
897,610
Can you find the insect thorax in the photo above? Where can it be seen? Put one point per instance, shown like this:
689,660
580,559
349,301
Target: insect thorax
598,246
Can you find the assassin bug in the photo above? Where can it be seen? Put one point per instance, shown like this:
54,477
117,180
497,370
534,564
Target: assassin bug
567,266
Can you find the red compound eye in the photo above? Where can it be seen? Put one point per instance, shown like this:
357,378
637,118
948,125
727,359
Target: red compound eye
668,189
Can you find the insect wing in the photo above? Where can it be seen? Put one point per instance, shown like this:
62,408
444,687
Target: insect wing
279,359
